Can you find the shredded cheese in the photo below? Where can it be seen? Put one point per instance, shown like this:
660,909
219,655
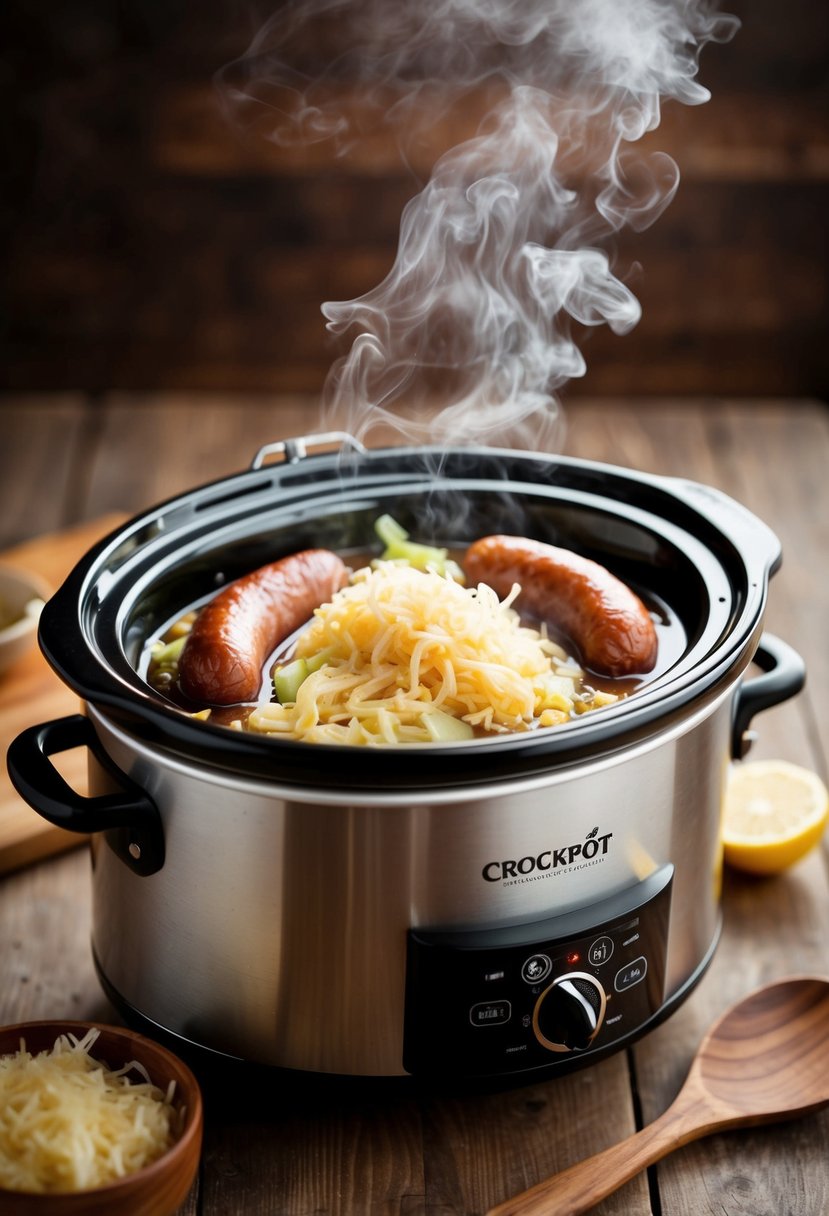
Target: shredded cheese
403,643
69,1123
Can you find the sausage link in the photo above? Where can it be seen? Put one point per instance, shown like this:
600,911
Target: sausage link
608,623
234,633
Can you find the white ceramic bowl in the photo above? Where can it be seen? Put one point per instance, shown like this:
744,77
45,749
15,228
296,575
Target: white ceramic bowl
22,595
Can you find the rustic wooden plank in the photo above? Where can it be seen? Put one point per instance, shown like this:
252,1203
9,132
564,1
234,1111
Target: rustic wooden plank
352,1148
43,438
478,1150
735,137
220,286
181,440
256,246
703,331
45,963
778,459
295,358
153,239
309,1147
178,441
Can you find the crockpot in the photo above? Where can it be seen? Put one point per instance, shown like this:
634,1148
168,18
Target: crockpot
486,908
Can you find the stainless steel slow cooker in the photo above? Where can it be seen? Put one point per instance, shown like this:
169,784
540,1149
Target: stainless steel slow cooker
487,908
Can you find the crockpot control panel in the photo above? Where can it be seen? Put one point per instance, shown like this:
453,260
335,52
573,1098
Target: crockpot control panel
482,1002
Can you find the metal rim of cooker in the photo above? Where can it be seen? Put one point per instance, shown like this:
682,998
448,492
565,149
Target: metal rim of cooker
93,628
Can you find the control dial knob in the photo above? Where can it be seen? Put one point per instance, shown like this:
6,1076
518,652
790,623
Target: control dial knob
569,1013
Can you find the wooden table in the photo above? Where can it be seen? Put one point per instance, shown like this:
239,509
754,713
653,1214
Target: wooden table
315,1148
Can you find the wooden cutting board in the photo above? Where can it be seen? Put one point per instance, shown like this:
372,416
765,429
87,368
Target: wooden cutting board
30,693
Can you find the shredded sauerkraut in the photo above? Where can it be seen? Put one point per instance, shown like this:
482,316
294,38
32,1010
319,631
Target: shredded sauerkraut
69,1123
407,652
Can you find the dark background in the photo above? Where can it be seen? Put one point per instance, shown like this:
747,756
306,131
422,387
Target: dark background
149,245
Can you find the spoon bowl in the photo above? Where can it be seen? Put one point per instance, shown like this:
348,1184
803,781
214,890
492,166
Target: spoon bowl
768,1056
765,1059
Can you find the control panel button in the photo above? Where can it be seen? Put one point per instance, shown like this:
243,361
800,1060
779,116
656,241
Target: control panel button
600,951
536,968
490,1013
630,974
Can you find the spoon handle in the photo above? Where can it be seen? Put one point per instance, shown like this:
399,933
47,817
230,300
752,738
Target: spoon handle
583,1185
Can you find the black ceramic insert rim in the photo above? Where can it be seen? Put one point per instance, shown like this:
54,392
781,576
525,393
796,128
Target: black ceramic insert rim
92,629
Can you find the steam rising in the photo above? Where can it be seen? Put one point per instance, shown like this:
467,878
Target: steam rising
505,245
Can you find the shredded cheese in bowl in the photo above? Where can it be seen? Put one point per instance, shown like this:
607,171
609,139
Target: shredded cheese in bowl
69,1123
407,652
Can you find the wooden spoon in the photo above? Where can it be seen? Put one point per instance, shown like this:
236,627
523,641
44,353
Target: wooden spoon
767,1058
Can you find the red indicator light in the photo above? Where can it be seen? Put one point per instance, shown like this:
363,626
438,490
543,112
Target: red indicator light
573,958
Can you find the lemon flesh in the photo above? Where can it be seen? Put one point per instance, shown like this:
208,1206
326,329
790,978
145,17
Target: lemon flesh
774,813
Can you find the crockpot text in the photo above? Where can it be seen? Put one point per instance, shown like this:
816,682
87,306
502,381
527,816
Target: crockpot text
550,859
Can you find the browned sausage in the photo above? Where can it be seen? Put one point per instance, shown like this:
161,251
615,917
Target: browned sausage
234,633
610,625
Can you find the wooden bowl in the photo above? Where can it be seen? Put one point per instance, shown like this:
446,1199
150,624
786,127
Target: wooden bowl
159,1189
21,595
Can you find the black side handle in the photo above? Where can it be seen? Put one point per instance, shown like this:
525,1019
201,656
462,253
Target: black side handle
784,676
129,817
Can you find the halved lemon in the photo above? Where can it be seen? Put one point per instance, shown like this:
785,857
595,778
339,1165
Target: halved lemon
774,813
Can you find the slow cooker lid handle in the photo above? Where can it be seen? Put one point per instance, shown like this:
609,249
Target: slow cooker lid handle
128,816
784,676
296,449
